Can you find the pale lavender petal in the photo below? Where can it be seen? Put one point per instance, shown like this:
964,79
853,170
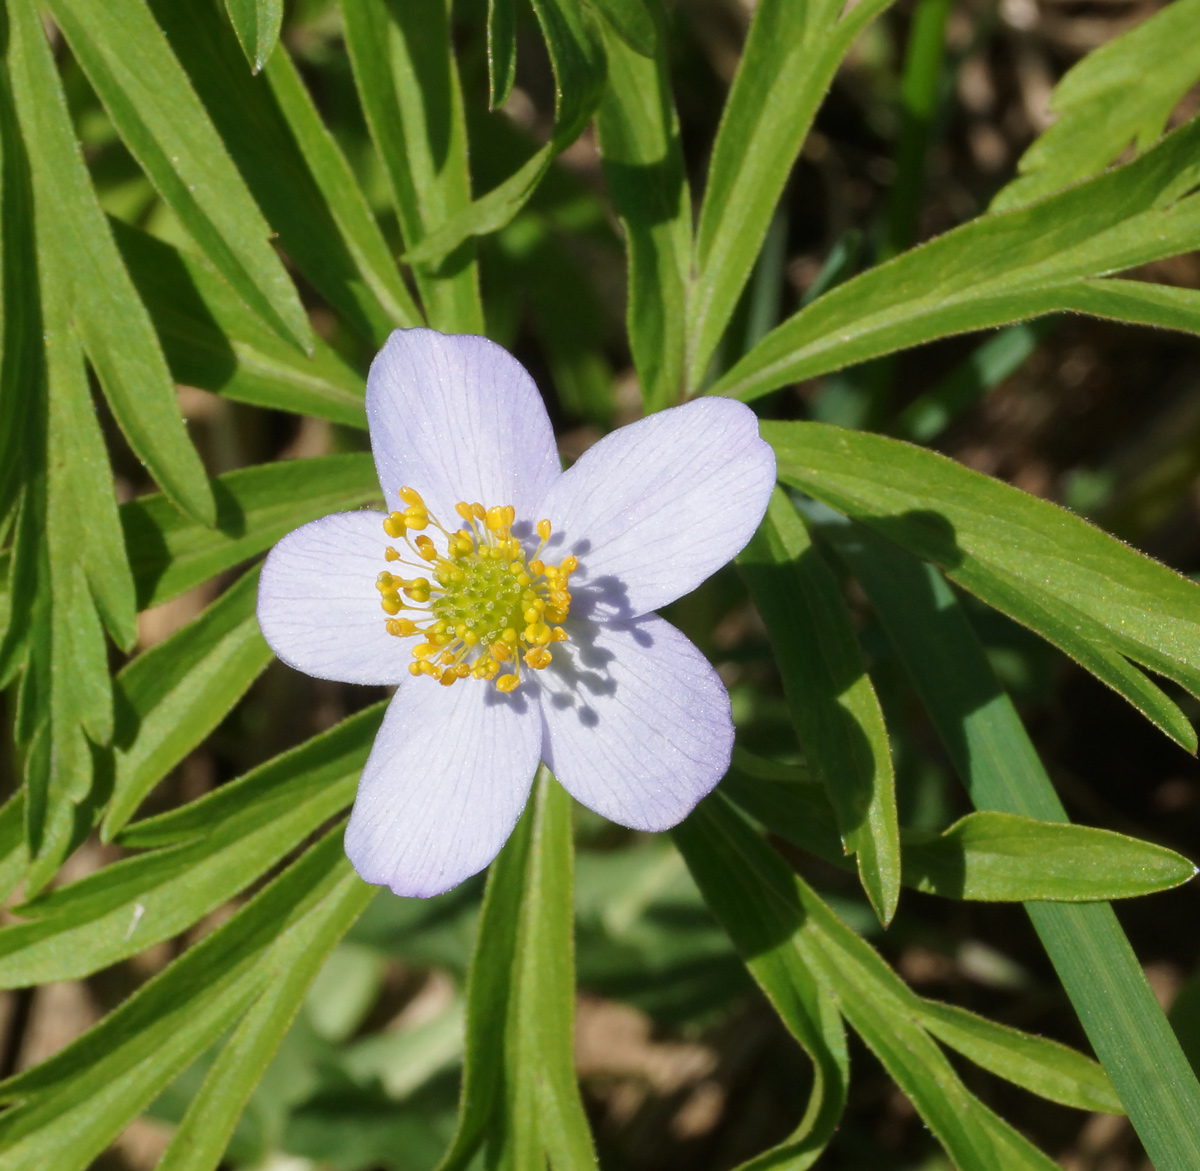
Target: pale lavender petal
457,417
637,723
318,606
444,785
654,508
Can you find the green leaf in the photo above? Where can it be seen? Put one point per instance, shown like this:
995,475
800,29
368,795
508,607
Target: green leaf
632,22
211,342
999,268
832,702
14,852
1097,599
286,971
343,196
643,164
1003,857
577,60
171,696
519,1088
73,1104
792,52
408,84
501,50
1121,93
762,936
777,910
1043,1067
111,321
257,24
153,107
255,507
201,855
986,857
280,158
1140,302
996,761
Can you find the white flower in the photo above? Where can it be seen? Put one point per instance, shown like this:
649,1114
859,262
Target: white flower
510,603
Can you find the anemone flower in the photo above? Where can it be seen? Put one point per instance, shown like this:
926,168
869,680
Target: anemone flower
511,605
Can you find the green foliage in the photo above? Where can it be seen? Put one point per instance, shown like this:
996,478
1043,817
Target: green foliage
245,198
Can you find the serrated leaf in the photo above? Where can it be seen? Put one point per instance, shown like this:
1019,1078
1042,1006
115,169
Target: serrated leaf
643,164
201,855
1120,93
272,151
519,1087
833,704
577,61
407,80
171,696
999,268
255,507
777,906
257,24
1092,596
73,1104
791,54
211,342
110,320
153,107
1000,768
286,971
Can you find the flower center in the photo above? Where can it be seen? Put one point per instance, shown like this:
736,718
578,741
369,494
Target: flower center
488,608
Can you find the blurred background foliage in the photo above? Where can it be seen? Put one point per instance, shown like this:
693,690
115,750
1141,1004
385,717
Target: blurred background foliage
683,1064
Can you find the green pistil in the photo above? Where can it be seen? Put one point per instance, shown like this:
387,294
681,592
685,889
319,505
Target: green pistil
483,594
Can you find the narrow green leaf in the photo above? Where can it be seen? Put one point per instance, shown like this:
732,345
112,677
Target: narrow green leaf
1001,857
778,909
257,24
1043,1067
342,194
792,52
286,971
171,696
1140,302
519,1088
577,61
643,164
211,342
1121,93
407,79
999,268
632,22
255,507
208,852
1097,599
996,761
14,853
832,702
762,935
501,51
153,107
278,159
73,1104
111,321
985,857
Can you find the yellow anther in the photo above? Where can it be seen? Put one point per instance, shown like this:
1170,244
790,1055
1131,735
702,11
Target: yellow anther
423,650
509,635
531,615
448,657
426,549
470,638
500,652
414,669
536,568
384,581
401,627
497,519
478,511
448,677
412,497
391,604
464,510
418,591
558,635
462,670
538,658
393,525
508,683
543,529
569,563
416,518
391,554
